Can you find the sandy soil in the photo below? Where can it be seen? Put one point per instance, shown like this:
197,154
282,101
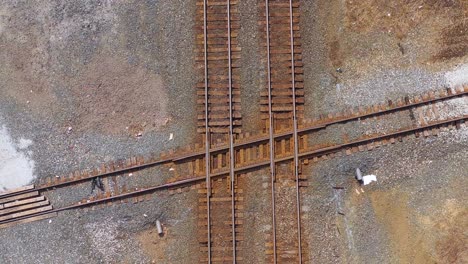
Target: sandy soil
153,245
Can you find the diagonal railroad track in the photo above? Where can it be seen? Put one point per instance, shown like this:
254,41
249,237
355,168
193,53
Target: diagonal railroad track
252,151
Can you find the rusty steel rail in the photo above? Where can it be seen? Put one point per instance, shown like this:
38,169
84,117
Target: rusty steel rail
207,130
323,125
231,136
296,147
256,140
271,139
195,180
115,197
325,150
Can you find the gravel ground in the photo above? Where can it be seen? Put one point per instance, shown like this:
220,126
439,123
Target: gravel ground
257,216
81,79
360,53
408,216
365,62
106,235
77,39
253,79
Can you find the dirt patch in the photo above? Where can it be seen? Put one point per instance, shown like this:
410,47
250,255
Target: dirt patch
435,236
24,78
335,54
453,41
451,224
399,16
391,209
453,247
153,245
116,97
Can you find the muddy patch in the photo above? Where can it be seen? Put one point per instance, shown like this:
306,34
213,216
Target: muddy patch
453,247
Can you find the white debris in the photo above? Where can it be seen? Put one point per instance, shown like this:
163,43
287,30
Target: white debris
171,169
159,227
145,215
139,134
368,179
50,221
171,136
70,129
130,174
358,174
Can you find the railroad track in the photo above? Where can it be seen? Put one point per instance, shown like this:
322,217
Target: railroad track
217,168
221,221
283,47
282,107
220,64
220,121
192,158
251,152
22,203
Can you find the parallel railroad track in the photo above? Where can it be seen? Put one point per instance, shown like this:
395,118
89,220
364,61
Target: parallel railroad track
221,221
220,120
220,63
218,167
284,105
193,181
282,47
